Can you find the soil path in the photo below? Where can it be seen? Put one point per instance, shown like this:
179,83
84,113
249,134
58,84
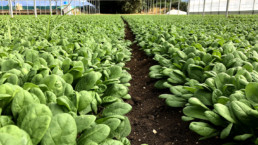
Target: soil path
152,121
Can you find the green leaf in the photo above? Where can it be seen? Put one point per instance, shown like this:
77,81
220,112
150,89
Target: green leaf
125,141
226,131
117,108
214,118
57,109
116,90
159,84
179,90
174,101
6,94
7,139
243,137
66,102
186,118
21,100
84,121
223,100
85,100
10,64
68,78
195,112
204,96
197,102
215,95
251,92
31,56
55,83
28,86
219,68
228,47
111,142
62,130
123,130
194,71
5,120
126,77
176,77
203,129
35,120
97,134
224,112
50,97
18,135
109,99
115,72
88,81
222,79
40,95
113,124
244,113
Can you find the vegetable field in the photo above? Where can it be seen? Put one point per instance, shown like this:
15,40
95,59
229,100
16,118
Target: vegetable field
63,81
130,79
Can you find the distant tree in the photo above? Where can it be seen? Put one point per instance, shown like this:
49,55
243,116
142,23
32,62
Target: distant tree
111,7
131,6
183,6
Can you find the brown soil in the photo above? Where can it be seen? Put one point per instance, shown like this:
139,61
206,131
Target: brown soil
152,121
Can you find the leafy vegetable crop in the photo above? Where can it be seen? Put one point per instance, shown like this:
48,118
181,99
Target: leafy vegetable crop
210,66
64,81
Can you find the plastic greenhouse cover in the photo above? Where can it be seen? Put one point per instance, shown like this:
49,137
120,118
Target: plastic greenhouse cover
220,5
45,3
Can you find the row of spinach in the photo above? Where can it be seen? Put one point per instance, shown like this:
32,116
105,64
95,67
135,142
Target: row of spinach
210,66
63,81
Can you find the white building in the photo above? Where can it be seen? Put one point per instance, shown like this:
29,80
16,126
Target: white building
176,12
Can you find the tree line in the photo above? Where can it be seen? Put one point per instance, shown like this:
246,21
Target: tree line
136,6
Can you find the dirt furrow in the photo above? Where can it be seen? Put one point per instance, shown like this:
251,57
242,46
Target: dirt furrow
152,121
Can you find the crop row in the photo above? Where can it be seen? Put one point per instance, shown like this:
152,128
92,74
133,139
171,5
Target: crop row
210,66
63,81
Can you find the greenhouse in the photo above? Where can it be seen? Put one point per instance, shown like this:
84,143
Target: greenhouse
220,6
128,72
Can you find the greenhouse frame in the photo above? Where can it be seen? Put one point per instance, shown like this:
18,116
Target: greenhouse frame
220,6
75,7
43,7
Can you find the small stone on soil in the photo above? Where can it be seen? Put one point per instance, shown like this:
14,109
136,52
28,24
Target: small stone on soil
131,102
137,99
154,131
151,117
